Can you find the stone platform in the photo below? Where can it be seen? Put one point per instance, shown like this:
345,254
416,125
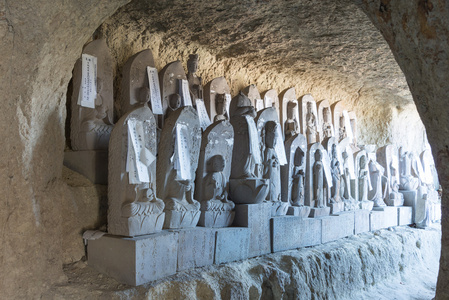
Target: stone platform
361,221
291,232
337,226
405,215
383,217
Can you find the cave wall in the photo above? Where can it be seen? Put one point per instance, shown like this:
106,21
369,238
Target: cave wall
42,40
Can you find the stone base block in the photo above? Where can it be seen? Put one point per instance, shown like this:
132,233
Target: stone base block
383,217
278,208
290,232
337,207
303,211
410,199
91,164
175,219
316,212
361,221
404,215
196,247
366,205
335,227
135,261
137,225
256,217
216,219
231,244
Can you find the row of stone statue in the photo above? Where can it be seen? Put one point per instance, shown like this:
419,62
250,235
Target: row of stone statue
246,156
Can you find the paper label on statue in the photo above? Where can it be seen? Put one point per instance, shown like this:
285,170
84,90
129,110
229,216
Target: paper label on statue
348,126
279,146
136,132
155,93
253,140
202,114
88,88
184,91
259,104
182,152
228,102
268,102
327,169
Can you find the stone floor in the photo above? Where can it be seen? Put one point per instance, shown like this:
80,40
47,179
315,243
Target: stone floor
397,263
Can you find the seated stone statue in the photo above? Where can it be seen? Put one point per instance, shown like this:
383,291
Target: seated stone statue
395,198
220,107
297,194
291,124
215,187
327,123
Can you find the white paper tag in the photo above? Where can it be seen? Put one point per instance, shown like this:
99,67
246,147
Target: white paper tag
184,91
259,104
279,146
228,99
348,125
253,140
136,132
155,97
327,168
88,88
183,154
202,114
268,102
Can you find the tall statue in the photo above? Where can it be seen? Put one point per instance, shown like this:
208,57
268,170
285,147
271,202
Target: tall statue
336,176
195,82
342,128
363,179
297,193
407,181
327,122
318,180
377,194
345,185
311,123
220,107
291,124
271,163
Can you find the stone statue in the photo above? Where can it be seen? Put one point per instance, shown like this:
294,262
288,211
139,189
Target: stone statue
395,197
297,193
327,123
364,181
291,125
311,123
217,98
345,184
336,177
195,83
91,128
271,163
177,162
134,208
318,180
220,107
212,175
377,194
342,128
246,186
407,182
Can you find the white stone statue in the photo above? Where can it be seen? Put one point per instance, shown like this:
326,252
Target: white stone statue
377,194
328,130
407,182
217,98
195,82
291,124
311,124
364,182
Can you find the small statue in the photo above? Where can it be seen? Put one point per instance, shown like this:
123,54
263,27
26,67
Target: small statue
363,179
342,129
327,123
407,181
377,194
336,176
215,192
318,180
395,197
297,194
345,185
195,83
271,163
220,107
291,124
311,124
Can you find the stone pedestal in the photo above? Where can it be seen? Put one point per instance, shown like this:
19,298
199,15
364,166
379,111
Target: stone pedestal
337,207
290,232
316,212
383,217
278,208
410,199
338,226
303,211
256,217
181,219
366,205
361,220
196,247
137,260
231,244
404,215
91,164
216,219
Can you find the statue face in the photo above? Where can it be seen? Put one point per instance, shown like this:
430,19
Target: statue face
326,114
144,95
174,101
270,134
220,104
299,157
318,155
217,163
363,161
309,107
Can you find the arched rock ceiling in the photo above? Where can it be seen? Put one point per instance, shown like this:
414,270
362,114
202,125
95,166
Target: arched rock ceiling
330,40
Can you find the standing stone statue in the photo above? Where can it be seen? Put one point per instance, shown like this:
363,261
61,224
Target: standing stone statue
289,113
134,208
364,181
342,134
309,122
91,127
217,98
335,200
246,184
377,194
195,83
349,175
212,179
253,95
177,162
388,158
318,180
293,176
328,130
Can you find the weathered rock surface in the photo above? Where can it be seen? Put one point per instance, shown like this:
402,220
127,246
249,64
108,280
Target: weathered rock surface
399,263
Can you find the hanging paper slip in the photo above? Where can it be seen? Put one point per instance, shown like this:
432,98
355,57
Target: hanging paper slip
268,102
183,153
253,140
138,143
228,99
155,93
327,168
259,104
279,146
184,91
88,88
202,114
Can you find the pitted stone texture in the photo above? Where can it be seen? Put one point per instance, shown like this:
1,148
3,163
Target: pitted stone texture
335,227
135,261
290,232
231,244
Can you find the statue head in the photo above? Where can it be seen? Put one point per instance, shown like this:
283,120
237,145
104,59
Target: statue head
363,161
220,104
217,163
318,155
342,121
326,114
291,105
174,101
143,95
299,157
309,107
270,134
192,63
334,150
